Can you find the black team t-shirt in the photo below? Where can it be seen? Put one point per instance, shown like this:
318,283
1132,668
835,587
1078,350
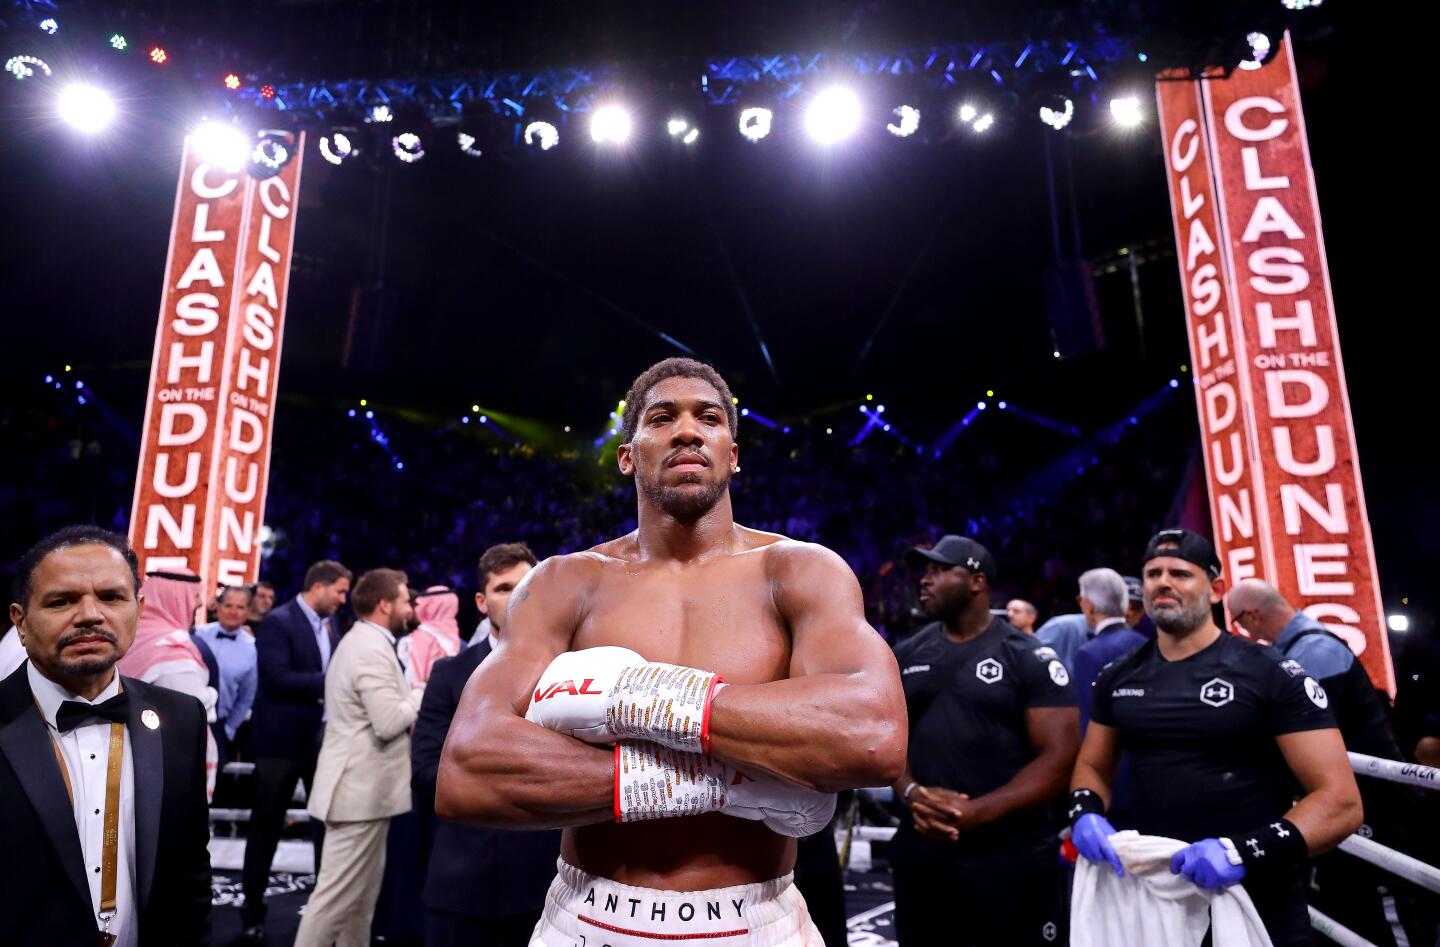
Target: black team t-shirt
967,703
1201,733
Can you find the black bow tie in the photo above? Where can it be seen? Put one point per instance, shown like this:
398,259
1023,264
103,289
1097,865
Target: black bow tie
231,635
72,713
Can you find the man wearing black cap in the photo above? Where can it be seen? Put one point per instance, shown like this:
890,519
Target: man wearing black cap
1218,731
993,734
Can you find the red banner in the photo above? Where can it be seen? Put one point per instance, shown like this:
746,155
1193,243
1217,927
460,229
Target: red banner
1308,509
205,448
1229,452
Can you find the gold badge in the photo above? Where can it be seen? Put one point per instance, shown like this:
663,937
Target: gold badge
150,718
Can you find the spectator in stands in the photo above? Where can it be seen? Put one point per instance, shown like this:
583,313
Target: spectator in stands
1022,615
362,778
1135,615
483,887
1102,602
262,600
234,652
293,646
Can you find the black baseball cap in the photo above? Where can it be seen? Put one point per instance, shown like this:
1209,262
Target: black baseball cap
954,550
1183,544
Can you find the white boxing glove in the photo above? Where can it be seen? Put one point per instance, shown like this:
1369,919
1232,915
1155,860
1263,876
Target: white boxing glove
783,807
601,695
570,696
656,782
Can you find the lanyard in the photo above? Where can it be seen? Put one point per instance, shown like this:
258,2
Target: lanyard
110,840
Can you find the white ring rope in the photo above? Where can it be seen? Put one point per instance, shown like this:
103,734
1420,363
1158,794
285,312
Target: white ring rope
1396,771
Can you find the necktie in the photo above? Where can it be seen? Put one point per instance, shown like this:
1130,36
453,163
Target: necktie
72,713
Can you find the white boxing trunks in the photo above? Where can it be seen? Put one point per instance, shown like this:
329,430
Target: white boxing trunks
583,910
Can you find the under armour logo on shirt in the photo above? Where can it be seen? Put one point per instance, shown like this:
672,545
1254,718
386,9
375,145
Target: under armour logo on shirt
1280,830
1255,847
972,563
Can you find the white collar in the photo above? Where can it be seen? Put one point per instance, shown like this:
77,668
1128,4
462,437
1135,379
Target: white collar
380,628
494,641
50,695
1108,622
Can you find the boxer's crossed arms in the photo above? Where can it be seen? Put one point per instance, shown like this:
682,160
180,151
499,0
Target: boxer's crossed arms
746,683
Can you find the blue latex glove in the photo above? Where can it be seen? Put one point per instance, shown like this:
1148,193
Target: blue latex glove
1207,864
1091,838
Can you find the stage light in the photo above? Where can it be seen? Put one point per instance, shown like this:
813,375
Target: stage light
352,412
755,123
1260,49
610,124
968,113
980,405
270,154
466,141
908,124
464,419
982,124
335,147
869,397
676,126
222,146
49,25
1126,111
879,409
1058,112
864,409
232,81
886,428
567,429
381,113
407,147
267,92
363,402
86,108
544,134
692,136
23,67
1398,622
829,430
833,115
989,393
744,412
1002,406
369,415
117,41
158,55
1174,383
1057,353
1296,5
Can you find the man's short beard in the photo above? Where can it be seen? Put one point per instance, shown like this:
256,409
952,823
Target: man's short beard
685,505
1180,620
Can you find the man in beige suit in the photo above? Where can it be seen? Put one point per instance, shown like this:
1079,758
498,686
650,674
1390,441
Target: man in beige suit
363,776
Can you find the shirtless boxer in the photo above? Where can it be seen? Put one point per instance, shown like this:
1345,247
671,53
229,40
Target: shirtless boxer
810,701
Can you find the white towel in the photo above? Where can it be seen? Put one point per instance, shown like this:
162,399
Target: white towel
1149,905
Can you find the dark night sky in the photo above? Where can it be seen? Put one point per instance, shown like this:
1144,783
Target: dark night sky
509,277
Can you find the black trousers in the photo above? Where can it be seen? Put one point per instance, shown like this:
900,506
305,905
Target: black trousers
1012,896
275,779
448,929
822,884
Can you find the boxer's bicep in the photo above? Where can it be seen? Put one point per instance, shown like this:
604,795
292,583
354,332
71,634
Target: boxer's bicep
497,768
820,600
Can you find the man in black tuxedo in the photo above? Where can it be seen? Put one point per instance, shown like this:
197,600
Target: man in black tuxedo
293,647
484,887
81,747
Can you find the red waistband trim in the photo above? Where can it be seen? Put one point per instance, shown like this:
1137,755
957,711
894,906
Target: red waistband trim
647,934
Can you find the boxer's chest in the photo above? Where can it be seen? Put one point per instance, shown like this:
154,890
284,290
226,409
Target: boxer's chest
718,616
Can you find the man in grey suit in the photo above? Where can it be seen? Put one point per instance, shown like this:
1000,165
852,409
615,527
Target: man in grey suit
363,774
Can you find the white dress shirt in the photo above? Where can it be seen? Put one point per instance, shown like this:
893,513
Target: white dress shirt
86,752
12,652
